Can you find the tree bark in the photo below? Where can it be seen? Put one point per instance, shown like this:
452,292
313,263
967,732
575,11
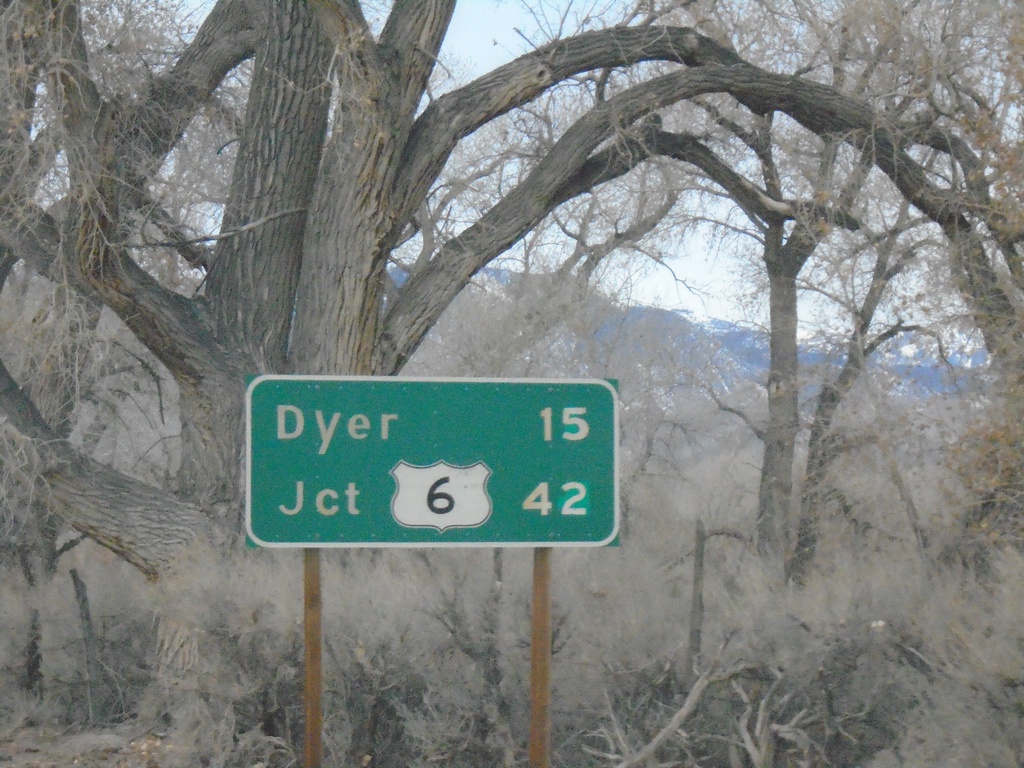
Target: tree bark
296,282
96,695
251,286
775,494
341,286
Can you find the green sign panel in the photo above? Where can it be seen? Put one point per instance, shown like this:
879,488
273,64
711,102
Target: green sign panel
385,461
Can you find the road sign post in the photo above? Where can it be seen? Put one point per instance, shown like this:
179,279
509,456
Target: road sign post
539,753
313,751
384,461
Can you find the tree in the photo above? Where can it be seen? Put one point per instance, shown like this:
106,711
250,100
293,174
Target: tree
815,201
339,149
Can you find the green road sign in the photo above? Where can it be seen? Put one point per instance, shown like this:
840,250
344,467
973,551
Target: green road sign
385,461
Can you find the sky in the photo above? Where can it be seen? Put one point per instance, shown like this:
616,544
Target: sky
485,34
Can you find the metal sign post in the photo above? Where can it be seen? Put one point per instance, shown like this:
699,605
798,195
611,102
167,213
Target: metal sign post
313,685
540,661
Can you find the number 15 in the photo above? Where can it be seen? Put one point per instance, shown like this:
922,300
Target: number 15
576,427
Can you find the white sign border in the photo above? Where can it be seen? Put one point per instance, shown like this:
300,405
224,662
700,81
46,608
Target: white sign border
257,380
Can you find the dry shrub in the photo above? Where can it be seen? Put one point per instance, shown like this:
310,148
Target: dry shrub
18,482
970,635
989,462
407,653
880,654
227,657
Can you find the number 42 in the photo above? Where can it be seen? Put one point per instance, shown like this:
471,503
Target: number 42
539,499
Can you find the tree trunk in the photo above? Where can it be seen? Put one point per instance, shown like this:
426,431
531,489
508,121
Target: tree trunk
212,440
33,680
692,657
251,285
823,448
775,495
250,290
341,288
822,452
96,693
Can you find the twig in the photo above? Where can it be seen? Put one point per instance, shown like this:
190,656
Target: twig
69,545
759,433
223,235
693,645
759,752
617,735
708,677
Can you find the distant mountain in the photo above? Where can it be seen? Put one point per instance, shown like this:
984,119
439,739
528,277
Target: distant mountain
911,359
741,352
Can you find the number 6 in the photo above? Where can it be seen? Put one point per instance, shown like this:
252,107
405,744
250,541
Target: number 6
439,502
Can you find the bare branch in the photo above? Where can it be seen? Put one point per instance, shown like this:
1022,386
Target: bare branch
428,293
156,121
457,114
888,334
144,525
709,676
759,432
179,243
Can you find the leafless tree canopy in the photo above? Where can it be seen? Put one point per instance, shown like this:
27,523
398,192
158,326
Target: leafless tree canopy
242,195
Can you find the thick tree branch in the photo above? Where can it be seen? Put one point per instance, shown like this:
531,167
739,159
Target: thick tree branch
31,234
429,291
156,120
757,204
819,108
19,410
626,154
826,112
144,525
409,45
165,322
162,320
92,240
458,113
252,283
561,175
79,98
104,157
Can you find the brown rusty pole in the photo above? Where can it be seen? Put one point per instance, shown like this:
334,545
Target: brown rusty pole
314,746
540,661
